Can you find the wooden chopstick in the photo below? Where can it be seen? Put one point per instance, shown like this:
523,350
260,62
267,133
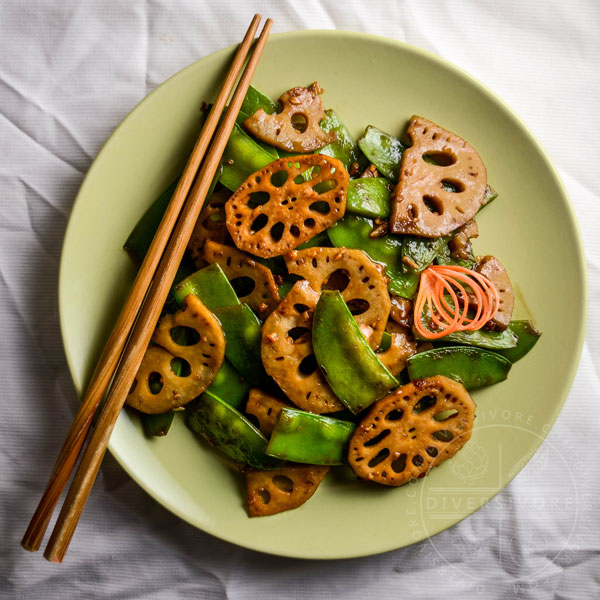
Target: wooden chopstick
111,354
144,327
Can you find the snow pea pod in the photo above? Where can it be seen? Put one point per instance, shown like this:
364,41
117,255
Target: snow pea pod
344,148
305,437
157,425
418,253
141,235
255,99
473,367
242,157
353,231
383,150
242,336
227,429
230,386
352,369
491,340
444,257
369,197
527,337
211,285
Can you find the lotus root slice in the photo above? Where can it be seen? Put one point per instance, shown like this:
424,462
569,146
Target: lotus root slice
494,270
401,437
402,347
360,281
420,204
203,358
264,295
265,408
287,352
272,492
209,226
286,203
296,128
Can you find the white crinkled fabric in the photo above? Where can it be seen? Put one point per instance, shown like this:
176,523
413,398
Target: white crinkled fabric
70,71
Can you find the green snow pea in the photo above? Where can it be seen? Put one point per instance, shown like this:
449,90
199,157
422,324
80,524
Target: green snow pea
304,437
226,428
344,148
419,252
157,425
353,371
491,340
527,337
242,157
383,150
444,257
142,234
369,197
211,285
255,99
473,367
490,195
353,231
242,336
230,386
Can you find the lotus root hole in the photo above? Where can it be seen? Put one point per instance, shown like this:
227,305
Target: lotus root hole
297,332
432,451
299,122
444,435
308,365
394,415
417,460
277,231
378,438
309,223
243,286
258,199
284,483
279,178
379,457
155,382
300,308
445,415
295,231
411,211
442,159
433,204
338,280
324,186
358,306
320,207
258,223
184,336
424,403
452,185
180,367
399,464
265,496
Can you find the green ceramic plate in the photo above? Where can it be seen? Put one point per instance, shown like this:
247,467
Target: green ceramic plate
531,228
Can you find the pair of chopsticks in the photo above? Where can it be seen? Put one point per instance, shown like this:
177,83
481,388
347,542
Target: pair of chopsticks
131,335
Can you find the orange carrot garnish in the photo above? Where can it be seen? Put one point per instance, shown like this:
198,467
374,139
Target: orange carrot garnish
440,283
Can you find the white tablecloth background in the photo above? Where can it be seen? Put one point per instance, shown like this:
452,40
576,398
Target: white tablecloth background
69,72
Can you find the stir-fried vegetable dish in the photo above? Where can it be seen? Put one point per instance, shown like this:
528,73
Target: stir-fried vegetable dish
330,309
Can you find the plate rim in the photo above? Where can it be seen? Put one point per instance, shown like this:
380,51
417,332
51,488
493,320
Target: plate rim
579,337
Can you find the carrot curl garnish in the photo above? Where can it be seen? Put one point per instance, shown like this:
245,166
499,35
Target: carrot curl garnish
444,294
